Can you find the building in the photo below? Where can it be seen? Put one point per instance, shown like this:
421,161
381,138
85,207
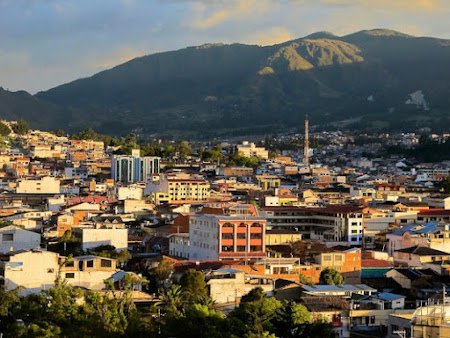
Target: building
432,235
227,286
43,185
431,321
416,256
249,149
222,237
344,290
347,262
132,192
89,271
178,188
13,238
234,171
130,169
330,223
179,245
33,271
103,234
268,182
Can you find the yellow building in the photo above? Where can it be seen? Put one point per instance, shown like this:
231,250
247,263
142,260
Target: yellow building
178,188
268,182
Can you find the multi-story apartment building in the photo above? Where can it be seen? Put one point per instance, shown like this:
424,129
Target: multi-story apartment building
178,188
130,169
330,223
43,185
249,149
223,237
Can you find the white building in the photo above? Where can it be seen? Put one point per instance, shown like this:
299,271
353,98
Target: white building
13,238
179,245
132,192
32,271
249,149
115,235
44,185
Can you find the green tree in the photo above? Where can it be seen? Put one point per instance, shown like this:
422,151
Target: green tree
4,129
193,285
291,320
331,277
172,301
163,271
199,321
256,312
21,127
184,149
446,185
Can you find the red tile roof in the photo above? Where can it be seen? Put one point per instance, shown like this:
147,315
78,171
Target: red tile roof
375,263
434,212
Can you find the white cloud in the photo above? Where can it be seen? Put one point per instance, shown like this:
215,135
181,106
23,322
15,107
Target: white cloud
208,15
271,37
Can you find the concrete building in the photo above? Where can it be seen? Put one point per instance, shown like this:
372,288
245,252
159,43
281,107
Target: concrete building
103,234
13,238
44,185
227,286
330,223
32,271
129,169
132,192
179,188
89,271
221,237
179,245
249,149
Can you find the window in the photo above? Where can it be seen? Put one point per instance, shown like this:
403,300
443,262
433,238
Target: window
8,237
241,235
70,264
50,270
327,258
105,263
90,264
241,248
70,275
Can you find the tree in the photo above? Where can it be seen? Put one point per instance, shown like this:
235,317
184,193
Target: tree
331,277
193,285
184,149
163,271
21,127
291,320
172,301
446,185
4,129
256,312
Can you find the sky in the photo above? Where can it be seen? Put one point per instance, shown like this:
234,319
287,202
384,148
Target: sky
45,43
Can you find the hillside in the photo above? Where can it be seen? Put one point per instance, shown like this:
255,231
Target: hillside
377,79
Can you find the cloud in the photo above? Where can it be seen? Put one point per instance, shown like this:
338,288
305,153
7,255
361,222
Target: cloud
271,37
208,15
430,5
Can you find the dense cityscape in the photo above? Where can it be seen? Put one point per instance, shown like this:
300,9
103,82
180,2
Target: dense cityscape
225,169
315,233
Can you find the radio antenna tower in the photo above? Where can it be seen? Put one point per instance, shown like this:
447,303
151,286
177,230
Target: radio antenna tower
306,147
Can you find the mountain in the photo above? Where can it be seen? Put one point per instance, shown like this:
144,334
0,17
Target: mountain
373,79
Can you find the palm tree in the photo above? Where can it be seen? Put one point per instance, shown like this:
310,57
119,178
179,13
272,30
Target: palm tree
172,301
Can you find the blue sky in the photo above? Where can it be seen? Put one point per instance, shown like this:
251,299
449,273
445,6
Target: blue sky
45,43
